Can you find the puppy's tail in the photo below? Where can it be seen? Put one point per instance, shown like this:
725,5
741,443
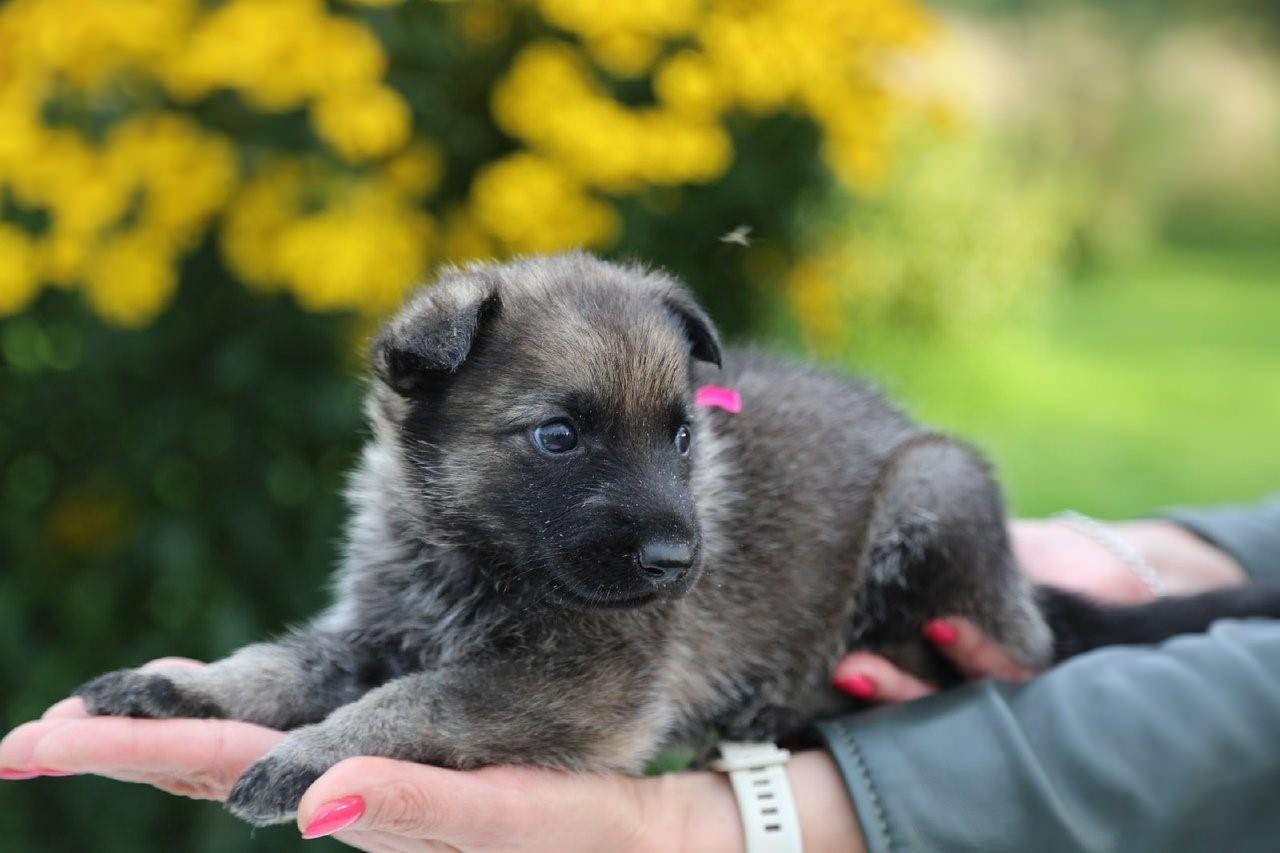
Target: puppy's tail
1081,624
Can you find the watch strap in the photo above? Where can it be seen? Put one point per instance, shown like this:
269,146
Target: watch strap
758,774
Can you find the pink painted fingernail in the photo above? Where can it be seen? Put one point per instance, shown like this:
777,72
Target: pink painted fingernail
334,816
13,774
940,632
718,397
857,685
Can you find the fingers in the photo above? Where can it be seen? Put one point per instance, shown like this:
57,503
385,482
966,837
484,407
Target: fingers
18,746
197,757
71,708
395,797
972,651
172,663
177,747
492,808
871,678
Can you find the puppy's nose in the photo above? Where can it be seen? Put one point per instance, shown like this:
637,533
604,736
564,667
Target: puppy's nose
664,562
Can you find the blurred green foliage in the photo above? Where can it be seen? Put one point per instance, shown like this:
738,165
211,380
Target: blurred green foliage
1143,385
170,492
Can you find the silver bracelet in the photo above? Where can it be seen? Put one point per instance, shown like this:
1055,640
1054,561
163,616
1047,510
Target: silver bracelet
1104,536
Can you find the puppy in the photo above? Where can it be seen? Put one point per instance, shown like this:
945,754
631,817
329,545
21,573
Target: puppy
554,558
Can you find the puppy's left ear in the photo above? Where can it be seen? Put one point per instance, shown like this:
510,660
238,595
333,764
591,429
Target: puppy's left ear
699,331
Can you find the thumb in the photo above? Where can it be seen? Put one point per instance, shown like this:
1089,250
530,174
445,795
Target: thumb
398,798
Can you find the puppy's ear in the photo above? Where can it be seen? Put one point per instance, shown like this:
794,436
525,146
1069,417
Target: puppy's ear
432,336
704,340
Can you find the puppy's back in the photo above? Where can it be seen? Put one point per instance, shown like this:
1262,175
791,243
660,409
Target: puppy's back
785,490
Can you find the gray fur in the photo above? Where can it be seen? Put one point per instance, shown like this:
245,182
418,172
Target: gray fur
489,609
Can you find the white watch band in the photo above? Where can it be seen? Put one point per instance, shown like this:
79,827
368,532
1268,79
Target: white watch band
759,777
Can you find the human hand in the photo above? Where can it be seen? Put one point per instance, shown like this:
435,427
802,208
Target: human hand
192,758
403,806
1053,553
873,678
377,804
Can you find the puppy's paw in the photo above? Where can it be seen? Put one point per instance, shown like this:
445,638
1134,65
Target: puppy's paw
269,791
141,693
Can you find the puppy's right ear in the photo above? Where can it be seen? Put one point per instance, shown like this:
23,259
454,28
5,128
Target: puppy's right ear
432,336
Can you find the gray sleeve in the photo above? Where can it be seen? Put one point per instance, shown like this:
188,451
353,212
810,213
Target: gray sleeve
1141,750
1249,533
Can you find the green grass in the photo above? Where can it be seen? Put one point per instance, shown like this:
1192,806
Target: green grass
1134,388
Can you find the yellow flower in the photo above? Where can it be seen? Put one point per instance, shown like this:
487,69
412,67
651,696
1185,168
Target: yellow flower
254,219
185,173
68,179
19,270
815,300
462,238
550,101
660,19
624,53
364,122
87,42
688,83
857,163
531,205
19,121
276,53
63,253
363,253
416,171
131,278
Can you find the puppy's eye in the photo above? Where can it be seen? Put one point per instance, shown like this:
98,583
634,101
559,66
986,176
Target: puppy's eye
555,437
683,439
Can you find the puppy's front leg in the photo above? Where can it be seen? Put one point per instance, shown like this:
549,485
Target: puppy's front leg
285,684
464,718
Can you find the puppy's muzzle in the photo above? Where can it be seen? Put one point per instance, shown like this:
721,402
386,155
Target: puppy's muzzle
663,562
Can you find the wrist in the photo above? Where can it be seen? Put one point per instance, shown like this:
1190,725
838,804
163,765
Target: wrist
1186,563
1052,552
710,821
827,817
707,814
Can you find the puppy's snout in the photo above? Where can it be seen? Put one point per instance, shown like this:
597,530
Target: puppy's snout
663,561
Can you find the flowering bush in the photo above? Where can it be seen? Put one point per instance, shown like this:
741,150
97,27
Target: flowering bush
338,151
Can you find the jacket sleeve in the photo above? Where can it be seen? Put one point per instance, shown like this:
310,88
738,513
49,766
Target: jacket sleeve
1250,534
1171,748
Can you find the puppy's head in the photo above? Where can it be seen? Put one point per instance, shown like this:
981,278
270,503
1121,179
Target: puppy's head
544,412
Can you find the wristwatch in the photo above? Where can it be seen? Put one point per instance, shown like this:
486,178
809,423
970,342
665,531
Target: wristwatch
758,774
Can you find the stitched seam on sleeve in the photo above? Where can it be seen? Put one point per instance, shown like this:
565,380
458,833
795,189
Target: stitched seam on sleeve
878,812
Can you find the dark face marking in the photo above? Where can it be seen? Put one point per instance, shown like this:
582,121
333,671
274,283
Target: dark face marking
561,445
